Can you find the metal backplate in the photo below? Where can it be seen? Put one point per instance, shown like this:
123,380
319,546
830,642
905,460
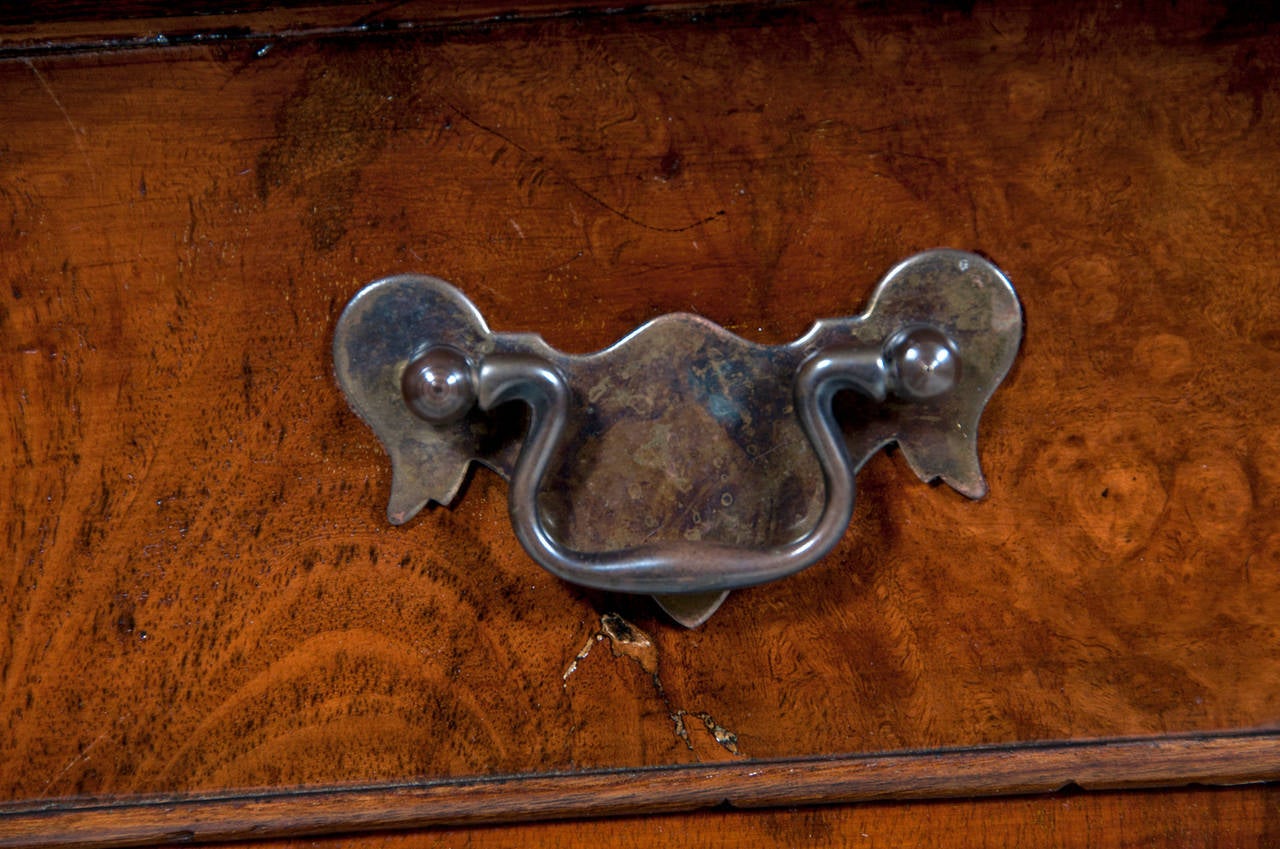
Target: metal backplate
681,431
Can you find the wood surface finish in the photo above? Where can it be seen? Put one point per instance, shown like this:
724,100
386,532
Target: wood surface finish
201,592
921,775
1201,818
1193,818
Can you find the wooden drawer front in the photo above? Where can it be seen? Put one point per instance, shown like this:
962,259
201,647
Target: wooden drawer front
202,593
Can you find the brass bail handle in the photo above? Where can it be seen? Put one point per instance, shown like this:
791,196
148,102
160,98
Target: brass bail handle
442,384
421,368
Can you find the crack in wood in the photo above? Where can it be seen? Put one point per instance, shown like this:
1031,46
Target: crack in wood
626,640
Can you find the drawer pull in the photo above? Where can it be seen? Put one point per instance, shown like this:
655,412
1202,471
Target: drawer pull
683,461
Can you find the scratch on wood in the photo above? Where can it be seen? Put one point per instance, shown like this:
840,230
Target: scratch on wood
581,656
578,187
81,756
76,131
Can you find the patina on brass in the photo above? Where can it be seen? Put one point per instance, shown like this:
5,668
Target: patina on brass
682,461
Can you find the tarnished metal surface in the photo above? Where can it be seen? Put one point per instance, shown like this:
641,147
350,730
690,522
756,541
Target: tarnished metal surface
682,446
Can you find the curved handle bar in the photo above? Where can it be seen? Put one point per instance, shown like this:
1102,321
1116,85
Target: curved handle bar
680,567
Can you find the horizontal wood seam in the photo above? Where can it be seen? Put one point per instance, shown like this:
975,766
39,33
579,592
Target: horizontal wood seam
1128,763
71,38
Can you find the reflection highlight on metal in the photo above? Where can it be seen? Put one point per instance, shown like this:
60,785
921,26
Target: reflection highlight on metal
683,461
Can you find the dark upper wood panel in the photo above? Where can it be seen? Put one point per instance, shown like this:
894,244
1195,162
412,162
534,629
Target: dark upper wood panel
28,30
48,17
202,592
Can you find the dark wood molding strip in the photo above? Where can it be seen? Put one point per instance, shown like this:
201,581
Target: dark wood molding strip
92,34
1223,759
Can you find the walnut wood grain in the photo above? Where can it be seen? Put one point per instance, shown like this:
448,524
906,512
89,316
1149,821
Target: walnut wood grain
917,775
201,594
